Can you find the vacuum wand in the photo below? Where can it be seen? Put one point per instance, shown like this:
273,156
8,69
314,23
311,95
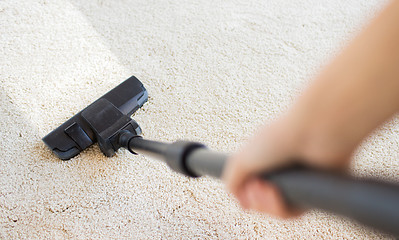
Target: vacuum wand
370,202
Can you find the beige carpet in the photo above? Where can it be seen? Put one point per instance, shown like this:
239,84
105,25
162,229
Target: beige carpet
215,71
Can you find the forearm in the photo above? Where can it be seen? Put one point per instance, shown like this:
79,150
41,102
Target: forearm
359,89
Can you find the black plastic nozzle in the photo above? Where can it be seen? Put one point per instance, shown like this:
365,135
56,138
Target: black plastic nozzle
100,121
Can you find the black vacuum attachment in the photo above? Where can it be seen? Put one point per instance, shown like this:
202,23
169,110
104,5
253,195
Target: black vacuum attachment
101,121
108,122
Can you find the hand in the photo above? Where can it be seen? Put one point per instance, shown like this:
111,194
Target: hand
275,146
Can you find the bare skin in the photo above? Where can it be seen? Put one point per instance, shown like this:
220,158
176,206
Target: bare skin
354,94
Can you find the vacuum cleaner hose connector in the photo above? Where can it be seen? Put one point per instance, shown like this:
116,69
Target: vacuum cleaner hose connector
124,139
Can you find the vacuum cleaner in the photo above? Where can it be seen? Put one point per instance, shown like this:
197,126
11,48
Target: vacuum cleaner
108,122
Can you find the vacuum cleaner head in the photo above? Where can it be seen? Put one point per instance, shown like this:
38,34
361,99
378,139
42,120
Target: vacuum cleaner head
100,122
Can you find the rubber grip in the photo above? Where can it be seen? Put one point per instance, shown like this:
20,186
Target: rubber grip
370,202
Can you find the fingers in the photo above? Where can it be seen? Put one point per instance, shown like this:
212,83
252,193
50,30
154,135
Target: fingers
254,157
234,176
242,166
251,192
265,197
265,152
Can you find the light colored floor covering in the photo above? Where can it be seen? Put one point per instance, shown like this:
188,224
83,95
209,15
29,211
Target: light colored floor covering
215,71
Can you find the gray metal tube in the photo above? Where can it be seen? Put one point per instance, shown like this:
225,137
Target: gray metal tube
143,146
370,202
206,162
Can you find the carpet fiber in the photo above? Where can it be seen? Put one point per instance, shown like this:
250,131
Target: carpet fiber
215,71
